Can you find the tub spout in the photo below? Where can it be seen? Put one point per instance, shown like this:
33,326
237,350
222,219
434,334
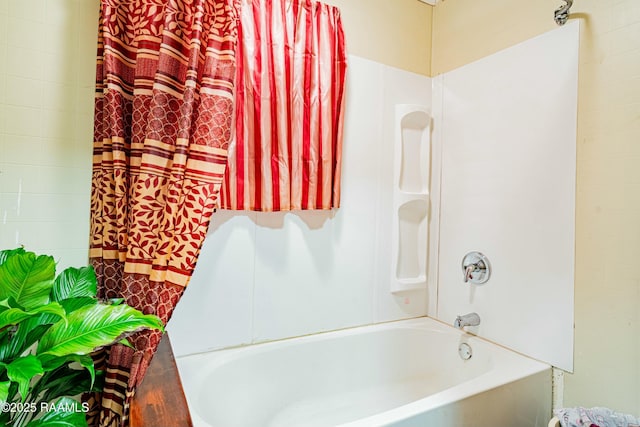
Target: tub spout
471,319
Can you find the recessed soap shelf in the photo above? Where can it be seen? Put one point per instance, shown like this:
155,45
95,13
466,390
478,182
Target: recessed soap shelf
410,198
414,150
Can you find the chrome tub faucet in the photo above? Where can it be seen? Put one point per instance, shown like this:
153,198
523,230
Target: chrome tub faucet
471,319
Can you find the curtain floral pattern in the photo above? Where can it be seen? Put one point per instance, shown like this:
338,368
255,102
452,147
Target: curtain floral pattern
176,79
289,106
164,113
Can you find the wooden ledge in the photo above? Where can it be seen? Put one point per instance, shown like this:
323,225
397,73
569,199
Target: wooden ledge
160,400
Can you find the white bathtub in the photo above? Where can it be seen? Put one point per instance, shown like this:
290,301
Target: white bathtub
405,373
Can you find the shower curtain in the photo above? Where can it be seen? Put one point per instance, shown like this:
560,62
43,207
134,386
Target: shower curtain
289,107
165,115
163,123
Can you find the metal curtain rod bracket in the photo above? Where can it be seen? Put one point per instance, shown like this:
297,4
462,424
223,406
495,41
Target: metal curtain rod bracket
561,14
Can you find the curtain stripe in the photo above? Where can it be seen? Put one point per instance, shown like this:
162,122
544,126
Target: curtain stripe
322,110
307,110
273,110
287,153
164,117
288,29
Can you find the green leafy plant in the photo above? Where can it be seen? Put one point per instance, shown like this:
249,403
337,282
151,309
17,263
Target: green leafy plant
49,326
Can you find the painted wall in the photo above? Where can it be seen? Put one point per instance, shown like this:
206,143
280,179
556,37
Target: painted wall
392,32
607,283
265,276
47,74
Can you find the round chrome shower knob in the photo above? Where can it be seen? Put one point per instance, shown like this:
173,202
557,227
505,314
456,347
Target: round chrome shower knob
476,268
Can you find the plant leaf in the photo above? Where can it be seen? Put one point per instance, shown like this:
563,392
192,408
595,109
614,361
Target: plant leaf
4,391
66,381
50,363
30,328
27,278
5,416
22,370
4,339
94,326
29,331
66,413
72,304
125,342
10,252
74,283
13,316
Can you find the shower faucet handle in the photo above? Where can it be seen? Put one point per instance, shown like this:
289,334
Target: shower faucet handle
468,272
476,268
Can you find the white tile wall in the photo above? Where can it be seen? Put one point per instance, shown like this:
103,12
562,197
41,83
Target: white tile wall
32,10
47,73
265,276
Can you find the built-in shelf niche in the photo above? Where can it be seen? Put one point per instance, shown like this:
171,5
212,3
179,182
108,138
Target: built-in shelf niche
410,198
414,173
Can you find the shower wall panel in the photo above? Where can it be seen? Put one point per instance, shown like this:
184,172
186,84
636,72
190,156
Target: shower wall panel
410,221
266,276
506,126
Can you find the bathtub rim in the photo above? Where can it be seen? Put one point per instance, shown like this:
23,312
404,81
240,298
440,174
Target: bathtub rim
524,368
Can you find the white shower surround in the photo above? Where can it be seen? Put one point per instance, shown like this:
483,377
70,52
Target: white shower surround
267,276
504,128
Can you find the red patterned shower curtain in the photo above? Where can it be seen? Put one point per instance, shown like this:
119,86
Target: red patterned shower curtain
163,122
289,108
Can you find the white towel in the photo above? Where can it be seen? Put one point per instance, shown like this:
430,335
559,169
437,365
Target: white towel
594,417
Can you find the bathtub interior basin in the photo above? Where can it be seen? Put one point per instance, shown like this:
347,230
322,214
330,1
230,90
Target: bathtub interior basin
383,374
